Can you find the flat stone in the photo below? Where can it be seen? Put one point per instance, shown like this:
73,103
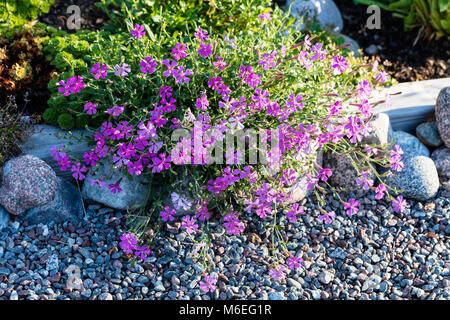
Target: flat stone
413,102
442,113
133,192
43,137
65,206
419,178
410,144
428,134
326,12
4,218
441,158
28,182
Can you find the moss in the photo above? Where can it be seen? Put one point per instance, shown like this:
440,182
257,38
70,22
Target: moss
50,116
65,121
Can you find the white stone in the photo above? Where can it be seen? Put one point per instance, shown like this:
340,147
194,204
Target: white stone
326,12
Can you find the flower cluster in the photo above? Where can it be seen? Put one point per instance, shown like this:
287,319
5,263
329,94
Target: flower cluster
209,89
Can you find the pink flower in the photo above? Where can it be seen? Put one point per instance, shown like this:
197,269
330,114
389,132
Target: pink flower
201,35
294,212
208,283
340,64
327,217
278,274
232,224
324,174
382,76
116,110
90,108
265,16
167,214
352,206
319,53
148,65
205,50
115,187
220,63
294,262
90,158
99,71
138,31
189,224
380,190
78,171
179,52
399,204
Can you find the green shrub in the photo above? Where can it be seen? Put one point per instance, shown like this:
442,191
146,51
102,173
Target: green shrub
65,121
50,116
15,13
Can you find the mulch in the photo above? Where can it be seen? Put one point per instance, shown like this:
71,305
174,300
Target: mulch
402,60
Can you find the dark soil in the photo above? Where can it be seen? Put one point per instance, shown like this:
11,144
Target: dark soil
403,61
93,17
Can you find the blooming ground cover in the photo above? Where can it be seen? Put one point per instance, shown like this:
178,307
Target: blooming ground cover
274,97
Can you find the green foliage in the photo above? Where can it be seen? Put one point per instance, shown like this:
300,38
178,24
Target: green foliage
50,116
223,16
15,13
431,16
65,121
11,132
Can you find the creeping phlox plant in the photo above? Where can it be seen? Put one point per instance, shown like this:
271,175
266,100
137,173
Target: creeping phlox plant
275,99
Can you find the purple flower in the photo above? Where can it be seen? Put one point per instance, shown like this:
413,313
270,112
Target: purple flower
324,174
147,131
232,224
115,111
352,206
278,274
208,283
170,67
189,224
265,16
220,63
115,187
294,262
138,31
201,35
64,162
380,190
382,76
296,210
148,65
202,103
142,252
90,158
78,171
181,75
399,204
205,50
319,53
99,71
367,183
328,217
340,64
90,108
122,70
128,242
202,214
167,214
179,52
160,164
73,84
364,90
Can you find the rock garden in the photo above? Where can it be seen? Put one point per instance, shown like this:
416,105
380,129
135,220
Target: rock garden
228,150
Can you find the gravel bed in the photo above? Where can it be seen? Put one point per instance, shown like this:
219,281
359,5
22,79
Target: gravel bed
376,254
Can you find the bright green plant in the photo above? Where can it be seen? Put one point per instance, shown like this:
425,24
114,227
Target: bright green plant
15,13
431,16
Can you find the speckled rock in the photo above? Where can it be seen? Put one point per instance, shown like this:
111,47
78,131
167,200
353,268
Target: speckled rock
326,12
441,158
27,182
442,112
133,192
65,206
419,178
4,218
428,134
344,174
381,130
298,191
410,144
